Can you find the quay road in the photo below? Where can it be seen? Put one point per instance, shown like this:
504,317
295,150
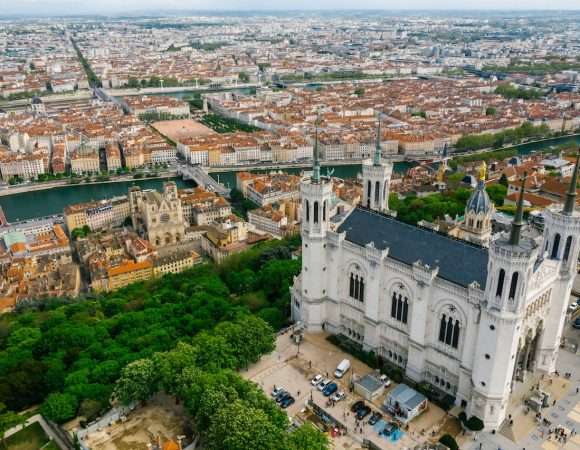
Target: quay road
172,90
56,99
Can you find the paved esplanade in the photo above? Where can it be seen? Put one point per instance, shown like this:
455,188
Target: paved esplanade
565,413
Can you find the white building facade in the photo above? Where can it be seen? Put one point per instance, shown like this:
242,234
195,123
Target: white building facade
468,319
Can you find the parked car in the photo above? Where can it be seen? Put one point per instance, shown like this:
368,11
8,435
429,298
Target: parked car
317,379
576,323
276,391
385,380
323,384
281,396
362,412
355,406
287,402
330,389
572,307
375,417
338,396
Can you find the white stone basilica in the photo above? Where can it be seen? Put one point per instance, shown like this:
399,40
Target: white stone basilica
466,318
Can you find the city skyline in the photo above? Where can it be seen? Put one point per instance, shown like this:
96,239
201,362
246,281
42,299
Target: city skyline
109,7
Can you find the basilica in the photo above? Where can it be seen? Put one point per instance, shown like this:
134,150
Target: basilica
470,316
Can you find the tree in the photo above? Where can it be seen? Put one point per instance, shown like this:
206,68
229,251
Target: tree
474,423
8,419
359,92
503,180
244,77
497,193
307,437
490,111
238,427
449,441
59,407
139,380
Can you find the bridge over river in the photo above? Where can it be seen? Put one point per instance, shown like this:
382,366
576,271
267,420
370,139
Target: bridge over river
202,178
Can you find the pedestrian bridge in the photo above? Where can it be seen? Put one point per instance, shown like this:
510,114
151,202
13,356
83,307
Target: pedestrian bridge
202,178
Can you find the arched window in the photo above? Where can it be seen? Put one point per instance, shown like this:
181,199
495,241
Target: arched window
442,327
369,193
514,285
400,307
356,285
500,281
324,211
307,211
449,331
456,329
315,212
385,190
377,191
556,246
567,248
351,285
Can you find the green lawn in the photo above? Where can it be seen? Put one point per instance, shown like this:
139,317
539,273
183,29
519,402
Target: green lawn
31,438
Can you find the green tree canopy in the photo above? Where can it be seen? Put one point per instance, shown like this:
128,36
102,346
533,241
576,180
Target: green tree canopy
59,407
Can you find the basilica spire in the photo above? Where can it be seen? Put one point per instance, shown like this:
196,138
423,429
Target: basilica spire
571,195
378,151
518,222
316,158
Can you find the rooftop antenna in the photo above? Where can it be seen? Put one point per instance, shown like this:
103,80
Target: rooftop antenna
571,194
518,222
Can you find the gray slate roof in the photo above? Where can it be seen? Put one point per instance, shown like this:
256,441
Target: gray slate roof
459,262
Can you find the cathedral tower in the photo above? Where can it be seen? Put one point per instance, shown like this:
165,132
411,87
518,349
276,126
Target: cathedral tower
376,178
499,344
316,196
561,246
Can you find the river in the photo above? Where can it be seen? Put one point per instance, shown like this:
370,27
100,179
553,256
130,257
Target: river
47,202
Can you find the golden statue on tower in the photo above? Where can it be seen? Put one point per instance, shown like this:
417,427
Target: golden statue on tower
482,171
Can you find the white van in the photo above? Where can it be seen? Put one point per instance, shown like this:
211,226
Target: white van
342,368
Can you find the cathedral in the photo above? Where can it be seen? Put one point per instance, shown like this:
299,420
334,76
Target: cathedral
470,316
156,216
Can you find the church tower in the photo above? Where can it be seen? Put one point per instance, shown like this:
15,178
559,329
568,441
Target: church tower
561,244
376,178
316,196
476,226
499,343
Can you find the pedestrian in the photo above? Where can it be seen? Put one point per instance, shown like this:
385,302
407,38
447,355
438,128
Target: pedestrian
310,364
554,403
480,446
577,390
298,394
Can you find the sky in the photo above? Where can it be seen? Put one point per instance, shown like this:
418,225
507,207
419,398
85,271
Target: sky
71,7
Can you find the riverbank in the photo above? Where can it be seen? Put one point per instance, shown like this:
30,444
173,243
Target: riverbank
33,187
